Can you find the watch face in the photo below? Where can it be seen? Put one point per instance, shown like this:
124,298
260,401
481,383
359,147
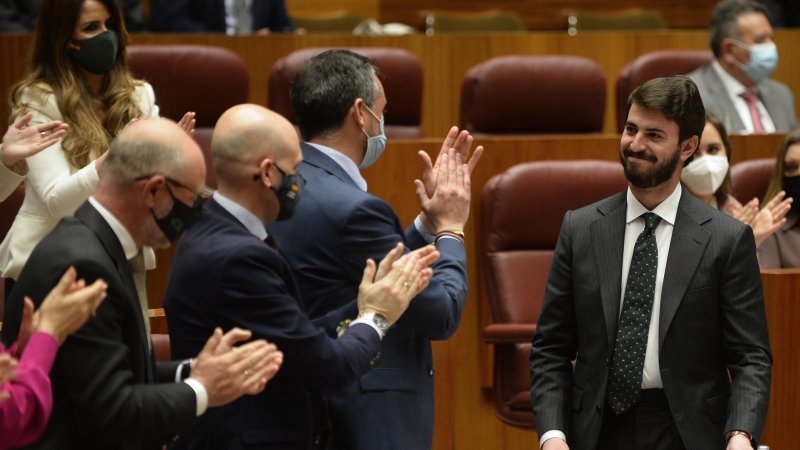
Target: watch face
381,322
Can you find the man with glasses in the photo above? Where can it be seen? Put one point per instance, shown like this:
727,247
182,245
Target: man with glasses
108,392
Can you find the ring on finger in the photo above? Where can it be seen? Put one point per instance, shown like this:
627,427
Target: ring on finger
43,133
405,284
246,374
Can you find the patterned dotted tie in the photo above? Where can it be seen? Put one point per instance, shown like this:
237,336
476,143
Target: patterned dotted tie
625,375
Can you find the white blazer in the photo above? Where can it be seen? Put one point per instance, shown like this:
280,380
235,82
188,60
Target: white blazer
54,188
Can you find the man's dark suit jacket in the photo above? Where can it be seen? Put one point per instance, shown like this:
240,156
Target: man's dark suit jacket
712,320
208,16
336,227
222,275
776,97
20,16
106,391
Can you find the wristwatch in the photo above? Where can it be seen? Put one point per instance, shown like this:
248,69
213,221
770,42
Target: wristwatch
376,318
737,433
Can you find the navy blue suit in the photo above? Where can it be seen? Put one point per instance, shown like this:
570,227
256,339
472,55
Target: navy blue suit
222,275
208,16
336,227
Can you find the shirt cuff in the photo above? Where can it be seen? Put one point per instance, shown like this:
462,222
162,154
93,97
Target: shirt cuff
429,237
551,435
179,370
201,393
365,322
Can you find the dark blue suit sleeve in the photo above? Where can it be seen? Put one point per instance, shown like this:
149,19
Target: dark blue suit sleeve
173,15
276,17
372,230
253,295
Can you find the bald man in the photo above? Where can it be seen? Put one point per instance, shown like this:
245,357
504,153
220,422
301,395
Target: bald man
225,275
108,392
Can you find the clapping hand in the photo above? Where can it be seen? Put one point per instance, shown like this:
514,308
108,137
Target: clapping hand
187,123
22,141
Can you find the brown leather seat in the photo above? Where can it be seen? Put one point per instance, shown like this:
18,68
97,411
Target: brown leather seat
400,71
521,214
750,179
8,212
534,95
662,63
203,79
161,348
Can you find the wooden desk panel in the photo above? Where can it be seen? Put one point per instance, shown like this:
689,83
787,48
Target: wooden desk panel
445,59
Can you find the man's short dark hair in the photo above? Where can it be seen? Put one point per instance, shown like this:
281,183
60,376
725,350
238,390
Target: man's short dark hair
326,88
677,99
724,21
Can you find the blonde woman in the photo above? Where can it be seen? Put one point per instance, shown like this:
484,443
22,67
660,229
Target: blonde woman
78,74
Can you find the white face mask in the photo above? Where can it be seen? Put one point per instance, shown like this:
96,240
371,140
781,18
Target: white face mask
705,174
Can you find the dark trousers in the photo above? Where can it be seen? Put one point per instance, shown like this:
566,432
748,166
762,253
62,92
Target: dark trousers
646,426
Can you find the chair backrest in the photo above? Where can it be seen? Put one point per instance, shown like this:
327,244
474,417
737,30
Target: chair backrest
482,22
534,95
206,80
750,179
521,214
662,63
8,212
629,19
161,348
338,22
400,72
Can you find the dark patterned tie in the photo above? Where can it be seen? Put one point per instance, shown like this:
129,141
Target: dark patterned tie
625,375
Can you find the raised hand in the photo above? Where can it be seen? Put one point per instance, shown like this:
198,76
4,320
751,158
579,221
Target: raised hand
448,208
461,142
748,212
22,141
187,123
771,217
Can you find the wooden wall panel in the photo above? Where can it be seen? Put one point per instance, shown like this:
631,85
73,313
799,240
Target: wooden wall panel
445,59
549,14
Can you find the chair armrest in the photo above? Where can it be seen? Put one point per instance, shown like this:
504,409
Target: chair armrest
509,333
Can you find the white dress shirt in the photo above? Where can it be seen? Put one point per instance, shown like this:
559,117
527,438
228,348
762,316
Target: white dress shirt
231,21
734,89
130,249
634,225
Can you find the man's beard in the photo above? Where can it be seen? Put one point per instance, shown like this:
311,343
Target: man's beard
659,174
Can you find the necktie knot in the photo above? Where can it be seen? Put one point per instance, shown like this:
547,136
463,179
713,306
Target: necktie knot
750,97
651,220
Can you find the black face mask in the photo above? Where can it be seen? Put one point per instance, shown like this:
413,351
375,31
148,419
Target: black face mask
97,54
792,187
288,193
180,217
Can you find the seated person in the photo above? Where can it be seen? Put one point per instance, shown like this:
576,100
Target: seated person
708,178
19,16
26,398
220,16
736,86
782,249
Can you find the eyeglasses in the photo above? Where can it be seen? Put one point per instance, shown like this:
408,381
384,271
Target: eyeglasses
204,193
257,176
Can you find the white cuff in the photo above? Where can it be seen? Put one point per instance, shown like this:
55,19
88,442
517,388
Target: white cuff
201,393
429,237
552,434
365,322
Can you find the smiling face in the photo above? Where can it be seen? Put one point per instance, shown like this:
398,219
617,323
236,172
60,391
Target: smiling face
93,20
649,149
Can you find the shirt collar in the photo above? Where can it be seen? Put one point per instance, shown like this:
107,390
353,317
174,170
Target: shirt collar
248,219
731,84
667,210
345,163
122,233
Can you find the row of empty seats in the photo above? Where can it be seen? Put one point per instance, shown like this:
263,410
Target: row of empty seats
517,245
551,94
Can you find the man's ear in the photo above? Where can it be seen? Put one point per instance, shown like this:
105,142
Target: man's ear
152,190
358,113
689,147
263,170
726,50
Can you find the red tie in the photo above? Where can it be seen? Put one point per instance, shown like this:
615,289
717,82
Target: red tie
752,103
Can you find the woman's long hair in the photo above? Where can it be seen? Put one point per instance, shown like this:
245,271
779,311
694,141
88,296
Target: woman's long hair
725,188
51,71
776,182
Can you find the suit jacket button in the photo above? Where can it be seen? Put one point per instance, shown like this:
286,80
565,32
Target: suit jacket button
431,372
176,438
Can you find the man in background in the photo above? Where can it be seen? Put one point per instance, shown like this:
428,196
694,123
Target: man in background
20,16
232,17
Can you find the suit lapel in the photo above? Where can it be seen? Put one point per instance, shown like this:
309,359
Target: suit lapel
316,158
92,219
722,98
608,235
689,241
780,121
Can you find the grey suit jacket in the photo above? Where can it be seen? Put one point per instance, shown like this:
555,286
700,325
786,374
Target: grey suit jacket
712,320
775,96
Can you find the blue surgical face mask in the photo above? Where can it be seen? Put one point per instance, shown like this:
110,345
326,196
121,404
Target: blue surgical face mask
763,60
375,144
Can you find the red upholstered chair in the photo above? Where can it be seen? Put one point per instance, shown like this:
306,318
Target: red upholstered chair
534,95
400,72
750,179
206,80
662,63
161,348
521,214
8,211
